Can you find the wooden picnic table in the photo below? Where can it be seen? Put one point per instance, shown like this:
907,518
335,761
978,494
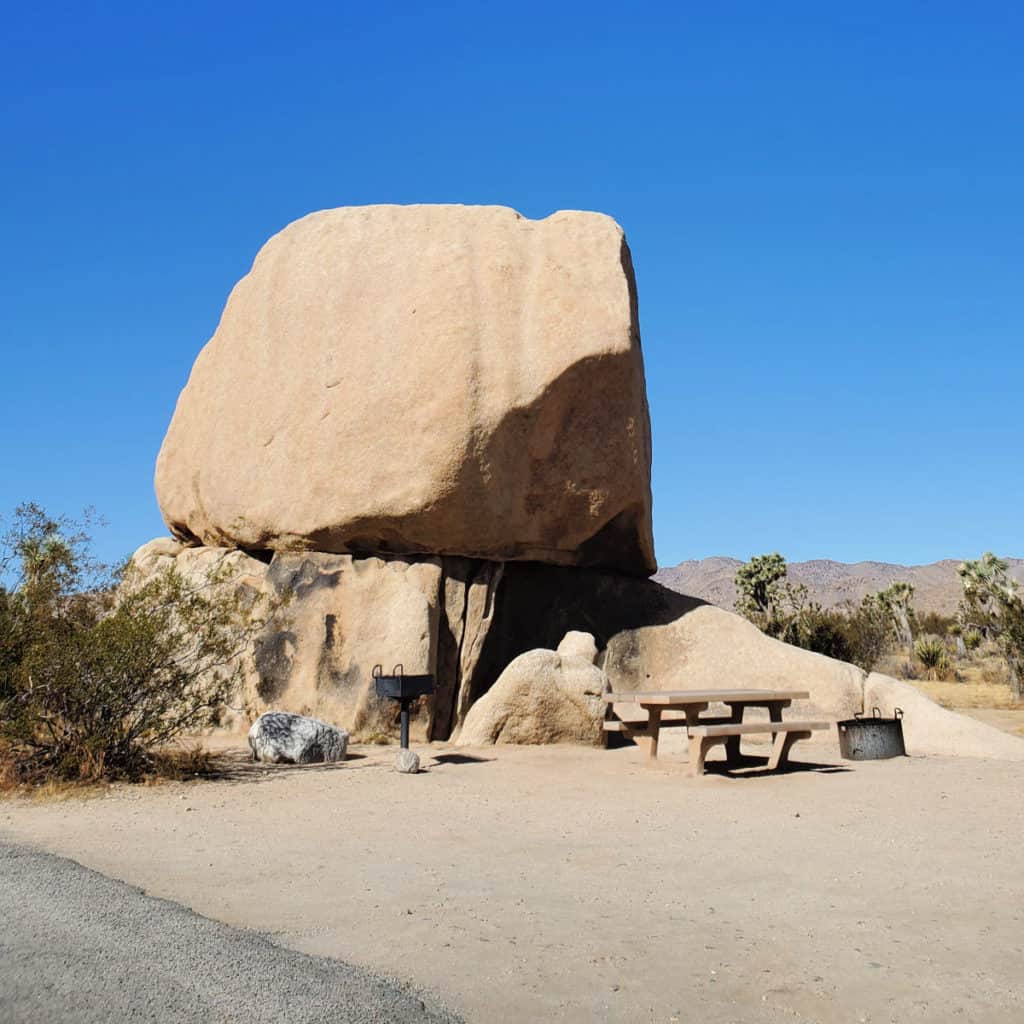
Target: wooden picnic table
709,731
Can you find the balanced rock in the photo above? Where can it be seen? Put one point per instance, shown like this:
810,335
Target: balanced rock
442,380
542,697
282,738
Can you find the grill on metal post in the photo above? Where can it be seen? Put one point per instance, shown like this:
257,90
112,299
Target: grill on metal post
404,689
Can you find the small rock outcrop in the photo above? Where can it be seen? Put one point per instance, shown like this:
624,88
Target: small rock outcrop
282,738
579,644
452,380
542,697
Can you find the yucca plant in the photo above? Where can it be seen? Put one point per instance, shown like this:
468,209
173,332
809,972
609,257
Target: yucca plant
931,652
972,639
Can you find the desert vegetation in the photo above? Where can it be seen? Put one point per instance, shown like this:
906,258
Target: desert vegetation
100,669
973,658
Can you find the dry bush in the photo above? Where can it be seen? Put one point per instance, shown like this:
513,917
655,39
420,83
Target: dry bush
994,672
180,763
101,671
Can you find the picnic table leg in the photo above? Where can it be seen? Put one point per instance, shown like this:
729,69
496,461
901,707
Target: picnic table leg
732,743
653,728
781,747
699,747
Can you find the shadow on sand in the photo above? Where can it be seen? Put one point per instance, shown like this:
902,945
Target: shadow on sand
443,759
751,766
237,766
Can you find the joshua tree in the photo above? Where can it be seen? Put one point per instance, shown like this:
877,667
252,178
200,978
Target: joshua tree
759,584
783,609
981,581
897,599
992,607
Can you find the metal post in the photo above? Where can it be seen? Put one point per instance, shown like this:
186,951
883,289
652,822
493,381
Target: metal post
405,724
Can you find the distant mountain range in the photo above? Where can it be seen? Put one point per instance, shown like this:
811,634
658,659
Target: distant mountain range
937,586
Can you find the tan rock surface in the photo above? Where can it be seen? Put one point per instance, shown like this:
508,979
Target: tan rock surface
347,615
714,649
580,644
542,697
423,379
157,553
652,638
343,616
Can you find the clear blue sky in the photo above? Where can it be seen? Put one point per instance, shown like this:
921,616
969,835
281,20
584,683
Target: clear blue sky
825,205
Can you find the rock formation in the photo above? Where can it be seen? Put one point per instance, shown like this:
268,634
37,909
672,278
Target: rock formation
428,426
469,623
541,697
343,616
441,380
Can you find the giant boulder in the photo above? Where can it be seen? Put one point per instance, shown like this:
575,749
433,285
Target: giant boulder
441,380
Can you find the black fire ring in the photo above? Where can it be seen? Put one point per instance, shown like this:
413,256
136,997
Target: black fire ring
404,689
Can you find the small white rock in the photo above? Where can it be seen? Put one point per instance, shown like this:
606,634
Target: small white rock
407,762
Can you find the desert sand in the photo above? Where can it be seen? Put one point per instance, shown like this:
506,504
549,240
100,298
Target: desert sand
571,884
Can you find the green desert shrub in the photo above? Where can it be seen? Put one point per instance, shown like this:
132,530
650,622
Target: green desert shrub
101,669
782,609
972,639
869,632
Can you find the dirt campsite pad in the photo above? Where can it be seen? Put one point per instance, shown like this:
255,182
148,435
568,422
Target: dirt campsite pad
568,884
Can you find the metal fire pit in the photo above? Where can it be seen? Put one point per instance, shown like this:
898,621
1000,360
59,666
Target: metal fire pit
871,739
404,689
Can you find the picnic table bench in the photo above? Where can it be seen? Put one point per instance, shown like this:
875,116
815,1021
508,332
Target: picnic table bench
705,733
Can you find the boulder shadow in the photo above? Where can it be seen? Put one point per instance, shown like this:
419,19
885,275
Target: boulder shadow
536,605
237,767
458,759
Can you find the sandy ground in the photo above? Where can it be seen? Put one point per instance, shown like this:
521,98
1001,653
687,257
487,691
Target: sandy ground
566,884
